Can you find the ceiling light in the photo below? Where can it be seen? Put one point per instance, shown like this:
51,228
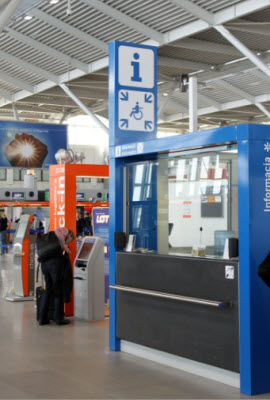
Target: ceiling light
54,1
28,17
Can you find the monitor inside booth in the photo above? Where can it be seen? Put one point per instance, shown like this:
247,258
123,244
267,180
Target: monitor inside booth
85,251
21,230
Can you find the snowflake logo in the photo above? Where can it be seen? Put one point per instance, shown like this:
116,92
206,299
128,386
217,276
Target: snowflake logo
267,147
139,148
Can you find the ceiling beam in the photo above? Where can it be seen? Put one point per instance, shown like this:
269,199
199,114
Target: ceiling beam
195,10
250,27
28,67
165,100
225,106
263,109
35,44
244,50
6,96
70,30
8,12
178,63
56,102
223,16
204,45
84,108
239,10
210,101
16,82
236,90
126,20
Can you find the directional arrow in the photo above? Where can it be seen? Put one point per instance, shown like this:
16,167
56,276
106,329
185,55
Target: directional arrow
148,98
124,123
147,124
124,96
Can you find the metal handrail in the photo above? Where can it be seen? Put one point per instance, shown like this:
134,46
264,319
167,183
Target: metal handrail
212,303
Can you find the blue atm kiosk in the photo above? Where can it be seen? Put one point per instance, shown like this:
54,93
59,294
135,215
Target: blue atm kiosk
182,300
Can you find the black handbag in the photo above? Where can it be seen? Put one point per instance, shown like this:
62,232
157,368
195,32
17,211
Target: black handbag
264,270
48,246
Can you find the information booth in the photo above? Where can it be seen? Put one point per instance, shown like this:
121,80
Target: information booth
178,296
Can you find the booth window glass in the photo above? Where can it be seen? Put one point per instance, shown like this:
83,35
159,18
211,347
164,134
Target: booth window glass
45,175
184,204
3,174
16,174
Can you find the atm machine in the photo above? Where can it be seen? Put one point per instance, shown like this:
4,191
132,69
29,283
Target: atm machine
89,280
24,261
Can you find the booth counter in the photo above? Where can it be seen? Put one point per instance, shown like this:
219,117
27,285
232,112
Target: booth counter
183,306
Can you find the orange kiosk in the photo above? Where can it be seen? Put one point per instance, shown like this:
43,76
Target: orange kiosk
63,200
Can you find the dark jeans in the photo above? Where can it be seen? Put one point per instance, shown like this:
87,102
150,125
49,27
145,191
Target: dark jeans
3,235
49,270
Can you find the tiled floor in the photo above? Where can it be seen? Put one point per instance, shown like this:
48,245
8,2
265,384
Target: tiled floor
74,362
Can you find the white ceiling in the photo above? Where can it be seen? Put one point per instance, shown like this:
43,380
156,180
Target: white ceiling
225,43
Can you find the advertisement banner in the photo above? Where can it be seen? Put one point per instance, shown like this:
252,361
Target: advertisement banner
30,145
100,218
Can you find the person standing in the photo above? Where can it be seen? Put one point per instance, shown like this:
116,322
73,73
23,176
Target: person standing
53,270
79,224
87,224
3,233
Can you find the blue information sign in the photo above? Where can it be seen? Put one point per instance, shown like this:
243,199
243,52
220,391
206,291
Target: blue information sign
133,92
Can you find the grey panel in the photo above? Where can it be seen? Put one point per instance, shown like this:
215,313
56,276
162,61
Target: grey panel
202,333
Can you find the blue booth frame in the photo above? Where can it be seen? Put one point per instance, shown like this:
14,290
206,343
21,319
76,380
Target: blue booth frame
253,143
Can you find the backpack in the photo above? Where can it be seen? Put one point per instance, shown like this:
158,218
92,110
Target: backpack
264,270
48,246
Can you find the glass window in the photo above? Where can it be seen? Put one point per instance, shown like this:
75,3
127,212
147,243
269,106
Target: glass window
23,172
16,174
3,174
184,204
38,174
45,175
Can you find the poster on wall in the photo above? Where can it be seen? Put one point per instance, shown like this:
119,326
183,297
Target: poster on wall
30,145
186,211
100,219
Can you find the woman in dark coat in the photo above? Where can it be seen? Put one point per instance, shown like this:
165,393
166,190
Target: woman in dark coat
53,270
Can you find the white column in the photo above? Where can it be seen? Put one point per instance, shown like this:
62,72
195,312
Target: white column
193,104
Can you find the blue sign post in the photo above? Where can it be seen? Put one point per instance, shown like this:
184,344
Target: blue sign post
133,120
133,93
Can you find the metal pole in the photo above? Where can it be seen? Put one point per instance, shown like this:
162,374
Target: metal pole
242,48
193,104
15,112
83,107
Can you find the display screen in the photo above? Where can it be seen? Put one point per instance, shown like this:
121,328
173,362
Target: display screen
85,251
21,229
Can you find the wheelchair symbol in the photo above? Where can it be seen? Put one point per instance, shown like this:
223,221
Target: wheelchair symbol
136,112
